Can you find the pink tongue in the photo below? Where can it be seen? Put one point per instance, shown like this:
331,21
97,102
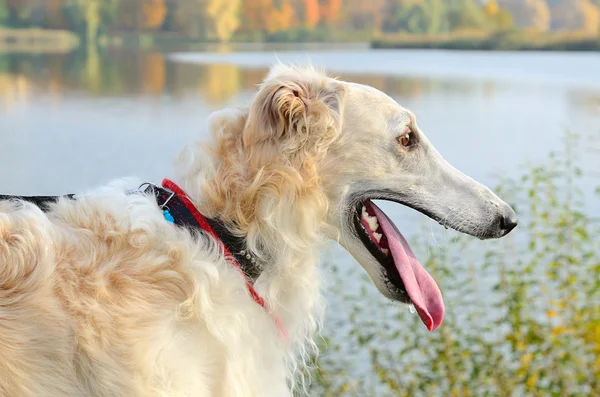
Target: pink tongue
420,286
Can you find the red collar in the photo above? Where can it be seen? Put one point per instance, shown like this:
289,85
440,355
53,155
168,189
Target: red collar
205,226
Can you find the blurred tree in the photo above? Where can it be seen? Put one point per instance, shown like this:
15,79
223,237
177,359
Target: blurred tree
500,18
85,18
264,16
154,13
580,15
189,18
223,18
109,12
396,15
504,20
415,16
435,15
128,16
311,13
140,14
280,19
363,15
491,8
466,14
209,19
53,14
330,11
256,14
22,13
528,14
4,14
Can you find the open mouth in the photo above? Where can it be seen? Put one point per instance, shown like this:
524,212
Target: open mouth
406,279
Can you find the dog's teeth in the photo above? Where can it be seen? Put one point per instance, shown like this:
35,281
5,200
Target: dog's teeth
373,224
377,237
371,220
385,251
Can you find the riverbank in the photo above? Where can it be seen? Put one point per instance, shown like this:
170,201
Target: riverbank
61,41
37,41
507,41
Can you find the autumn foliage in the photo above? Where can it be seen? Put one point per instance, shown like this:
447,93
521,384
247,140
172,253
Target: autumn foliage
225,20
154,13
330,11
311,13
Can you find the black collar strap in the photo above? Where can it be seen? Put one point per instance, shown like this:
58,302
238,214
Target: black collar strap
41,201
181,216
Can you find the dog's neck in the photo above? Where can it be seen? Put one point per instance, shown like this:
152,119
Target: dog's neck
285,274
283,232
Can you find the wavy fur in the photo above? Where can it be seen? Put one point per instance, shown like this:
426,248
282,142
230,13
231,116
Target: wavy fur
102,297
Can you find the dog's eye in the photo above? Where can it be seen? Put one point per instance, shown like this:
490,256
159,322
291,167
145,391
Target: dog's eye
407,139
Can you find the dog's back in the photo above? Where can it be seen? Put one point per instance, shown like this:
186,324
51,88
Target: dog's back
36,356
102,297
81,293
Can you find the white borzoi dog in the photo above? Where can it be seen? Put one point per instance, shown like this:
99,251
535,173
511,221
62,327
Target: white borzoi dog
102,295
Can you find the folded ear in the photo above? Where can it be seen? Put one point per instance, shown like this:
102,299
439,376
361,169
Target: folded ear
295,108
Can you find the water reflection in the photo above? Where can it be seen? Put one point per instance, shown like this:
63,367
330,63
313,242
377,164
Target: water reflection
151,74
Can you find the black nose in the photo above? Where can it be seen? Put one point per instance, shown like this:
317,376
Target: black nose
508,221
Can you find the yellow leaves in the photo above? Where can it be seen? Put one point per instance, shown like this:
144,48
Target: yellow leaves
561,330
154,13
591,17
458,391
591,335
532,380
526,360
225,18
491,8
264,15
212,19
533,377
280,19
551,313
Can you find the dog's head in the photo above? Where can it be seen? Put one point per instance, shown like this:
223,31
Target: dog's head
351,144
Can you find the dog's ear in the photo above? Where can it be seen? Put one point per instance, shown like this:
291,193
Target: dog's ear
295,108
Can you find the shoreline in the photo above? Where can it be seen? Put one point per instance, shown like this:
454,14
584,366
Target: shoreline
61,41
36,41
501,41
